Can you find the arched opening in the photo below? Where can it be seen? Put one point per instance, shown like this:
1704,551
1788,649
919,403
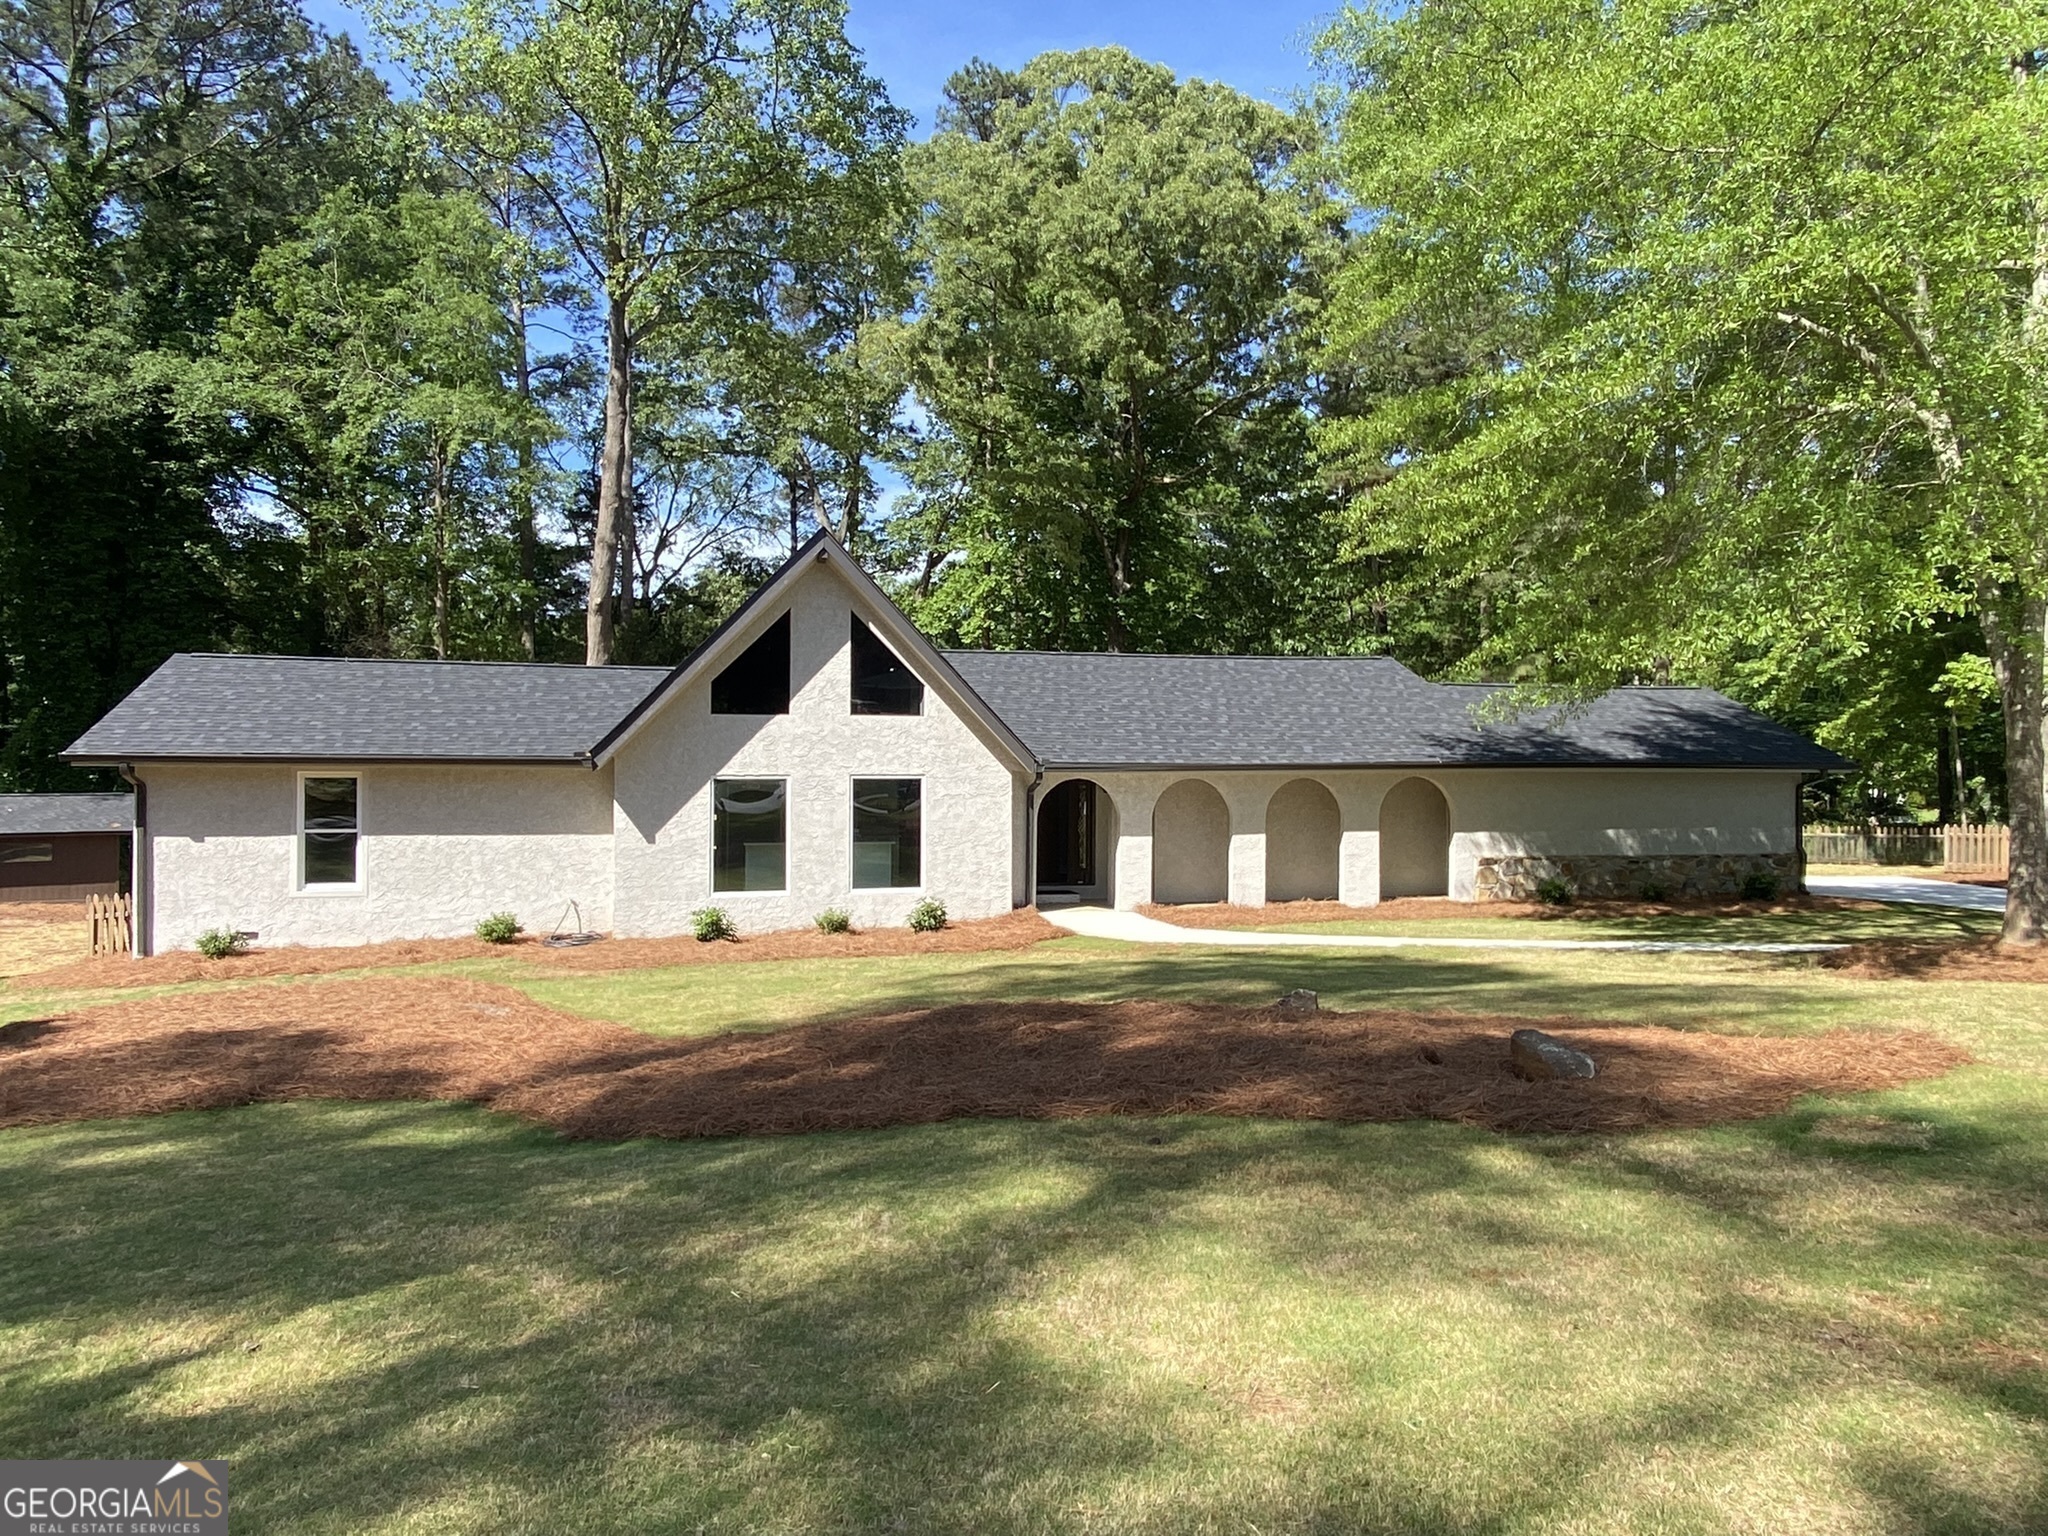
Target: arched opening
1303,830
1415,841
1190,844
1076,846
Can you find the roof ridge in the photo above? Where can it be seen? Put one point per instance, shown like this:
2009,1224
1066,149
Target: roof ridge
422,661
962,650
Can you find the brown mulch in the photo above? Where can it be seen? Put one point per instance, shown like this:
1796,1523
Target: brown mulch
38,912
454,1038
1013,930
1411,909
1954,960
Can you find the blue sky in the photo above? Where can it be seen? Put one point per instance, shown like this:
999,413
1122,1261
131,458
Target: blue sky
913,45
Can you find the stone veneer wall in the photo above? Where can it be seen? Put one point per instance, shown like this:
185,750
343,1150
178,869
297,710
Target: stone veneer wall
1622,877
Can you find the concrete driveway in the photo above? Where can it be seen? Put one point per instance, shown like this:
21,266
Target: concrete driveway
1910,888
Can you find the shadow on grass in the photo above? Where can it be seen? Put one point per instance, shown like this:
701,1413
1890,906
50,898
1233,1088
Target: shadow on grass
990,1326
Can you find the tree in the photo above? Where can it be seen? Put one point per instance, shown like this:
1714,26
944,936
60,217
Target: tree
375,367
1121,282
661,140
149,150
1767,288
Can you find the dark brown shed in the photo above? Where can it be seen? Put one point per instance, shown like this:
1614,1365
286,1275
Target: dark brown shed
64,847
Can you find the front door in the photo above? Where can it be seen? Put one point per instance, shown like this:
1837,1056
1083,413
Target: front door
1066,837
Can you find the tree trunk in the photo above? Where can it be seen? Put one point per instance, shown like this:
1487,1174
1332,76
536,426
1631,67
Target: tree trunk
614,485
440,467
527,533
2018,640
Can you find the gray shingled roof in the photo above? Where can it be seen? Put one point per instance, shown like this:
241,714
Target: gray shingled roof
307,708
58,815
1134,711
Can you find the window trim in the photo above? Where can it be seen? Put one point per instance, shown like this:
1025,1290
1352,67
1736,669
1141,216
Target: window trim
300,885
711,834
852,831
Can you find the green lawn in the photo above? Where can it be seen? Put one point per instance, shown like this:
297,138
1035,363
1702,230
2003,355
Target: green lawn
1833,1321
1899,922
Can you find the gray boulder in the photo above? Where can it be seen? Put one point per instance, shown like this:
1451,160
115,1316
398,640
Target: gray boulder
1539,1057
1299,1004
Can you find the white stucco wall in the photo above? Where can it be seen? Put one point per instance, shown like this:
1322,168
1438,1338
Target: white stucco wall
441,847
1304,832
972,858
1493,812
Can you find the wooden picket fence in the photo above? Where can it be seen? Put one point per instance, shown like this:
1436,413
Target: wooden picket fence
1961,850
108,920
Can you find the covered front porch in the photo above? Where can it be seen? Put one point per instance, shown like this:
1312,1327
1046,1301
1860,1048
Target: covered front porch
1129,839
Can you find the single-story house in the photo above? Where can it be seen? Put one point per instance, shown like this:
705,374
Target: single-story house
819,752
63,847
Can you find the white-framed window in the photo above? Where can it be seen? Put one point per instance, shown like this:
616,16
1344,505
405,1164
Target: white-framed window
749,834
888,834
330,832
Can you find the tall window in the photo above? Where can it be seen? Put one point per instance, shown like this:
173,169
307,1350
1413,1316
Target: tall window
888,833
748,834
328,829
882,685
757,682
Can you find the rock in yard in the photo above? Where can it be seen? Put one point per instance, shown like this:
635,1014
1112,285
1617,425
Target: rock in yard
1539,1057
1299,1004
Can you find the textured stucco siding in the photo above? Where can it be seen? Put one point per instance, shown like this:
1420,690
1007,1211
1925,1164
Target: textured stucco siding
1494,812
441,847
973,800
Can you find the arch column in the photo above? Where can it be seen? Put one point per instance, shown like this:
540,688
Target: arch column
1358,841
1246,802
1130,852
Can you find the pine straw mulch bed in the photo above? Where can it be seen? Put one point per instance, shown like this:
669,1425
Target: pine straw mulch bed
1013,930
1411,909
454,1038
1954,960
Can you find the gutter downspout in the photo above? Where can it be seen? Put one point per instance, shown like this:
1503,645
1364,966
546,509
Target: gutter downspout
141,904
1031,839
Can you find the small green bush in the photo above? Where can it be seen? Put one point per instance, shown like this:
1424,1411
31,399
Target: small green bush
1555,891
928,916
832,920
498,928
218,943
1654,890
1760,885
711,924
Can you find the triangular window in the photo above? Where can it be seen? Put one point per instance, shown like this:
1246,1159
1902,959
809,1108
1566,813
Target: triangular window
882,685
758,682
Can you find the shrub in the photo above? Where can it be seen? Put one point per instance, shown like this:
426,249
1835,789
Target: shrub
1555,891
218,943
832,920
498,928
928,916
1654,890
1760,885
711,924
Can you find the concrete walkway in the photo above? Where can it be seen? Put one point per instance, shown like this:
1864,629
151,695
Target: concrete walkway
1927,893
1136,928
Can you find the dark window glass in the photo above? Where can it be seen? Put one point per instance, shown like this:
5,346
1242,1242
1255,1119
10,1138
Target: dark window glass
882,685
27,853
331,831
758,682
747,847
888,832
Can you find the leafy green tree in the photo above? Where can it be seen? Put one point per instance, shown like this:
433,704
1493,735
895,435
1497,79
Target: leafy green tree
149,150
1121,285
1767,293
663,142
374,365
